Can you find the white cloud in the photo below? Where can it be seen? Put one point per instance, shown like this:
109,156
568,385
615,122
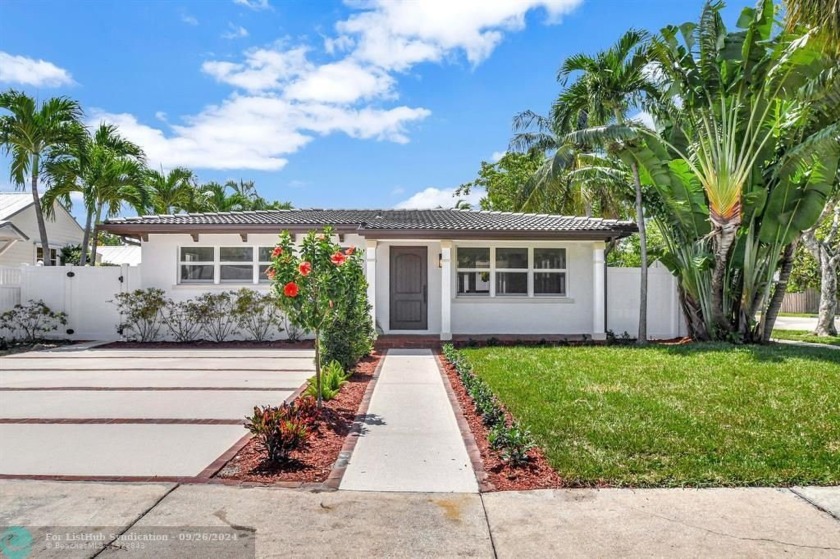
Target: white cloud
644,118
28,71
253,4
436,198
235,32
161,116
189,20
497,155
397,35
77,198
286,95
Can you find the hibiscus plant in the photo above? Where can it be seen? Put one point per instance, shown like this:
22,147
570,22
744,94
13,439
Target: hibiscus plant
315,283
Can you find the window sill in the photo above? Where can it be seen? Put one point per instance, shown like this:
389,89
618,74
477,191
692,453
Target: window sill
514,299
220,286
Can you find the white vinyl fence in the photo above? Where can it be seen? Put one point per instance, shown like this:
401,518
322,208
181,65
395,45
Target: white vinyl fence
664,315
84,293
9,287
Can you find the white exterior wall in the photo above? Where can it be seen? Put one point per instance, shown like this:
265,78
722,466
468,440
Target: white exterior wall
61,231
538,315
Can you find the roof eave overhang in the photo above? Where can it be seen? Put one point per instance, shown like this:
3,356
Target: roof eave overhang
143,230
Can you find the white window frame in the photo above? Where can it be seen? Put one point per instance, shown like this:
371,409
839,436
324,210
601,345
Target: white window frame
530,271
526,271
488,270
217,263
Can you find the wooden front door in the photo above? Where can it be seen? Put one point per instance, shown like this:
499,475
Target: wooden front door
409,289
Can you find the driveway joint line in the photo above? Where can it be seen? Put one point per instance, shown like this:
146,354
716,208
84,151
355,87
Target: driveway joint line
489,527
813,504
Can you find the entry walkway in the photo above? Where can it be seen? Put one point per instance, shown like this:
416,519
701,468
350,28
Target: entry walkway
411,440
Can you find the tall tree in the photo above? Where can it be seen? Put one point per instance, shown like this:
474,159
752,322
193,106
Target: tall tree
822,15
214,197
33,134
823,242
108,171
171,192
601,89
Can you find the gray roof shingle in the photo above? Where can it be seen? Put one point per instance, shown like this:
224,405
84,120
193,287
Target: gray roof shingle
375,220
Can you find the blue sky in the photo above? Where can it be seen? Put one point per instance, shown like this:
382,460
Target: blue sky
362,103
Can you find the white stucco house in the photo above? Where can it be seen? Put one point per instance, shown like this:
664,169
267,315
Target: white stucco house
435,272
20,242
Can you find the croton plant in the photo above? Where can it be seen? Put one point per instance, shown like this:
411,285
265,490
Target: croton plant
315,282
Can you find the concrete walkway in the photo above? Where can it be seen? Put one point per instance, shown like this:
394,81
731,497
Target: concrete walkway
758,522
798,323
411,440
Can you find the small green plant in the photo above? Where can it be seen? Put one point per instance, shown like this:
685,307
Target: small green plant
141,313
256,314
282,429
511,442
31,322
333,378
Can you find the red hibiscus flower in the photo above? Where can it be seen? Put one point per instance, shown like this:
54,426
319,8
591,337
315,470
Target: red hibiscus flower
350,251
290,289
276,252
338,258
270,273
305,268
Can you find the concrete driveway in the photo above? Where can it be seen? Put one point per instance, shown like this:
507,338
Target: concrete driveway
135,413
799,323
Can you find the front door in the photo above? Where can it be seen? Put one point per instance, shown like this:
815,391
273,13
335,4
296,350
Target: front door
409,288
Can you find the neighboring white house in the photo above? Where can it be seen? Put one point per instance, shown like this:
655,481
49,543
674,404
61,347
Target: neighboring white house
20,242
432,272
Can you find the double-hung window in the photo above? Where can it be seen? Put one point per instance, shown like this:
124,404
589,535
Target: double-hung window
264,263
197,264
473,271
524,271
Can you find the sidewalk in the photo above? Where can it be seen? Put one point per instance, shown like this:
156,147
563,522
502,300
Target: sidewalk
754,522
411,440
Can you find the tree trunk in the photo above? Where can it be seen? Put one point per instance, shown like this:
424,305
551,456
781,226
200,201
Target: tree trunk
86,239
643,293
95,242
318,367
39,216
828,295
694,318
726,234
768,319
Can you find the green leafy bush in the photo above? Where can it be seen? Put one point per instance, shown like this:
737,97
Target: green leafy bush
141,313
184,320
256,314
511,442
217,309
282,429
30,322
333,378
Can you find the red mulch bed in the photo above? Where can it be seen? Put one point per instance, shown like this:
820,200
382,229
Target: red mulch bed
207,344
537,474
314,462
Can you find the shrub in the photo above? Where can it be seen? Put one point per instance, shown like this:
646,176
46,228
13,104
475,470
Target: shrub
31,322
141,313
511,442
217,310
256,313
333,378
183,319
293,332
282,429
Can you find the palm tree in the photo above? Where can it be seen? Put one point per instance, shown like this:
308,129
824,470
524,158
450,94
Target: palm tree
214,197
33,135
823,15
171,192
603,89
108,170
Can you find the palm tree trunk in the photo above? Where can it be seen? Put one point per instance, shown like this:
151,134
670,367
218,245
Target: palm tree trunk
643,290
768,320
39,216
828,295
86,239
95,241
726,234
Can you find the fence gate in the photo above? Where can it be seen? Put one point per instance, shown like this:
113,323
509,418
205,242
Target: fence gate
9,287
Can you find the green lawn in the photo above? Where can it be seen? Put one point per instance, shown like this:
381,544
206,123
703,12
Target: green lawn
798,315
698,415
805,336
